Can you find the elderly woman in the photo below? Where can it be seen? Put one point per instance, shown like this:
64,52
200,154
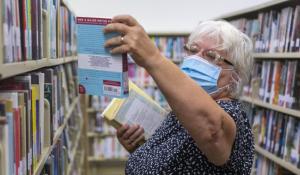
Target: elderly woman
207,131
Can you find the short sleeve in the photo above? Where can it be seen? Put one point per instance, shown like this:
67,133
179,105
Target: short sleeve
242,153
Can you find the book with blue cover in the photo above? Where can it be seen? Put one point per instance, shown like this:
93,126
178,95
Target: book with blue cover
100,73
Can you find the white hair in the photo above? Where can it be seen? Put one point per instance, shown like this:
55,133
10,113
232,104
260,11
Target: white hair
237,46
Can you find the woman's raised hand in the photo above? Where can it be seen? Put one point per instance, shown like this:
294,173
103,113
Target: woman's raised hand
133,40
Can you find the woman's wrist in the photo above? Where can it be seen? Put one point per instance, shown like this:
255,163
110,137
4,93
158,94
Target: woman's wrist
154,61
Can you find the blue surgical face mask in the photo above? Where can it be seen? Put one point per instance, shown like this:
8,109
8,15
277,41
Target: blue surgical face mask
203,72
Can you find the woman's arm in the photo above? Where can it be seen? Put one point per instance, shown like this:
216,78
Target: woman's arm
211,127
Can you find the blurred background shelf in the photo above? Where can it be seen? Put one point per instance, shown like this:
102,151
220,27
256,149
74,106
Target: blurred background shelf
277,160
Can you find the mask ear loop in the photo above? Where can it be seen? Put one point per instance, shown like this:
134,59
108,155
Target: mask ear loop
235,81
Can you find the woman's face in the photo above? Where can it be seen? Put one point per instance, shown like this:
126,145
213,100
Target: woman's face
201,49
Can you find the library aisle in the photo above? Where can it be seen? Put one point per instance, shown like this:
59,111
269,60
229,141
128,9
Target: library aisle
48,128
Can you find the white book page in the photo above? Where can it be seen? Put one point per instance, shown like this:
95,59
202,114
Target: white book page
138,110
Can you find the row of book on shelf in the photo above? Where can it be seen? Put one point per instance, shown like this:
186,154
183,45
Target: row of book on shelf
60,159
277,133
98,125
108,148
34,29
273,30
142,78
171,46
276,82
105,144
100,102
33,107
264,166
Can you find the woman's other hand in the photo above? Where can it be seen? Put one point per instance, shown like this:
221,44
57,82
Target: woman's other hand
130,136
133,40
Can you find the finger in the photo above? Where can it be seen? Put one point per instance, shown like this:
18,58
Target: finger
126,19
136,142
130,131
136,134
122,130
116,27
115,41
121,49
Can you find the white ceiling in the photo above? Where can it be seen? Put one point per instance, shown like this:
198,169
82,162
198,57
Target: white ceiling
159,16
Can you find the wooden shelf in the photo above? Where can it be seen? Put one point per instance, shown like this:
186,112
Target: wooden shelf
92,110
3,120
75,149
57,135
104,160
284,56
94,134
170,33
277,160
255,8
11,69
172,60
292,112
176,61
81,163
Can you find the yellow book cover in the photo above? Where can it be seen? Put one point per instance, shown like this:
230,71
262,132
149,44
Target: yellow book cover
34,92
138,108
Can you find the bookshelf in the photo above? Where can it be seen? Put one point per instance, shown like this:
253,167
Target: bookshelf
57,135
108,161
92,110
279,56
13,69
254,9
103,152
75,150
101,135
49,27
264,52
292,112
174,34
279,161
